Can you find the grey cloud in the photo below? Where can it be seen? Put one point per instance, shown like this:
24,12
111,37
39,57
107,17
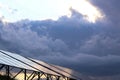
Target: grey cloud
101,45
28,41
110,8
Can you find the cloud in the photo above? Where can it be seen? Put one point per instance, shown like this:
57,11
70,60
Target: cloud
90,48
1,16
110,9
4,11
28,41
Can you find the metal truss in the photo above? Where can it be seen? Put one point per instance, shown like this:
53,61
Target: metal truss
28,75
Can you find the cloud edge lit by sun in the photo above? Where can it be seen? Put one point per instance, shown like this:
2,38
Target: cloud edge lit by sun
90,12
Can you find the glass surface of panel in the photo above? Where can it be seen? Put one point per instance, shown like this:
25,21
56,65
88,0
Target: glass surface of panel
4,59
65,71
29,62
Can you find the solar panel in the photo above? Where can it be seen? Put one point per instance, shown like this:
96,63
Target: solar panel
64,71
19,61
4,59
22,63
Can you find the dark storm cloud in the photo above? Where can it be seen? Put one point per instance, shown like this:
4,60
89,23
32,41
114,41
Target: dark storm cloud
90,48
110,8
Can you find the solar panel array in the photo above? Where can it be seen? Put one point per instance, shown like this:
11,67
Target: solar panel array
62,70
19,61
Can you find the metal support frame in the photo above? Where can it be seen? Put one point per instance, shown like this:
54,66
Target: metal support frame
7,71
58,78
18,73
38,75
1,67
30,75
33,74
25,75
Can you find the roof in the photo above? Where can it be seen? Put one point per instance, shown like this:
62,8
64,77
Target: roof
19,61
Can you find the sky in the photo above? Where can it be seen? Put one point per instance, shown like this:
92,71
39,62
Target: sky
15,10
69,38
